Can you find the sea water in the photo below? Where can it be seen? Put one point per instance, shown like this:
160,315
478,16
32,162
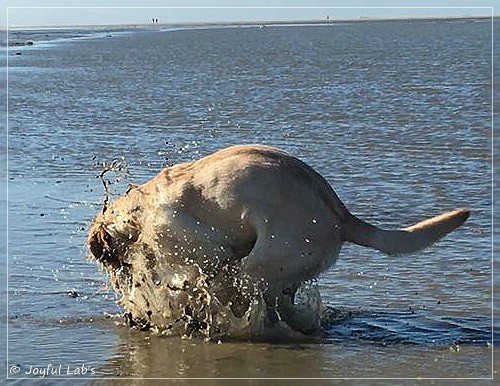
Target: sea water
397,116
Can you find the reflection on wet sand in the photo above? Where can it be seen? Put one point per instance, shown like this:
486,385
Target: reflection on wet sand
142,354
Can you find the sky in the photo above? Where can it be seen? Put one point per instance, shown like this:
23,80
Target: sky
25,13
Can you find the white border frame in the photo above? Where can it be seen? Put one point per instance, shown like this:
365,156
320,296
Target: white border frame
9,366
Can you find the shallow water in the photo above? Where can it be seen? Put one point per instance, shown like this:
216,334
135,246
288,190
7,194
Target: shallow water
396,116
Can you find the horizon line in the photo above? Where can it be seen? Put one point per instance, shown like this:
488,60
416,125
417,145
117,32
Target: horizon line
263,22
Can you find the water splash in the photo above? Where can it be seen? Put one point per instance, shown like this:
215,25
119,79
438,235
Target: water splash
172,295
119,168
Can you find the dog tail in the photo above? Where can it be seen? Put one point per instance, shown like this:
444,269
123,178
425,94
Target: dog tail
406,240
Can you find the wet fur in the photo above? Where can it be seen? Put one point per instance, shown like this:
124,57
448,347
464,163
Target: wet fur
248,211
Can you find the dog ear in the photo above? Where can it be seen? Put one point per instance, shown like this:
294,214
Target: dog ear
99,243
95,244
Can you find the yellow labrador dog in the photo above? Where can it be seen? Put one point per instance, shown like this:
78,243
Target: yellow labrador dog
192,241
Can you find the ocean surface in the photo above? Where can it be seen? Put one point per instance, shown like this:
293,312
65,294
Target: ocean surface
397,116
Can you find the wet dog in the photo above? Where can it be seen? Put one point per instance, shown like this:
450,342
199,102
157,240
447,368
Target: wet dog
221,245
